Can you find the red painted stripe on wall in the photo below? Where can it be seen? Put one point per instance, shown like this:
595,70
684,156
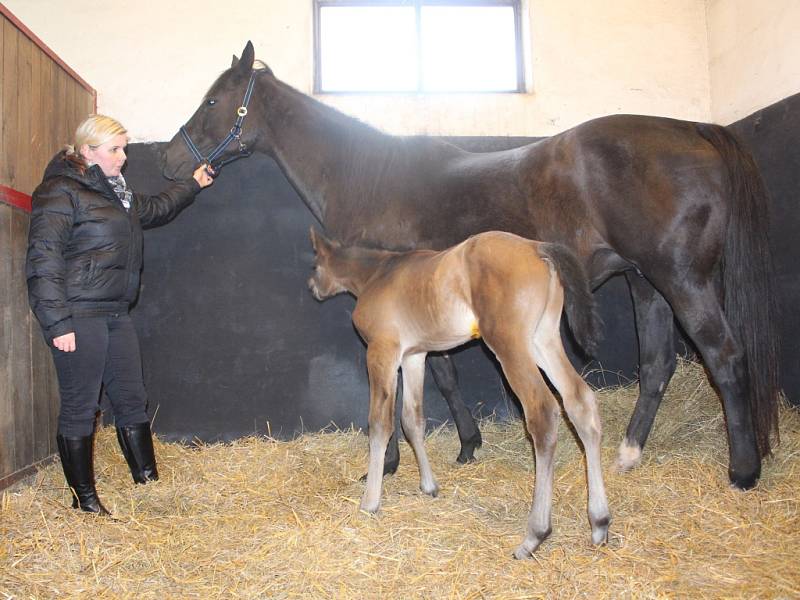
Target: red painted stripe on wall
14,198
33,37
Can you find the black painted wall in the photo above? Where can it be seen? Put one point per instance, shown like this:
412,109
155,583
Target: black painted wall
773,134
234,344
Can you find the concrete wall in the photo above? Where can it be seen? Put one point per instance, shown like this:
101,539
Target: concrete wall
754,55
151,62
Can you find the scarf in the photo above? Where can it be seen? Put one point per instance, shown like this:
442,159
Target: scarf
120,188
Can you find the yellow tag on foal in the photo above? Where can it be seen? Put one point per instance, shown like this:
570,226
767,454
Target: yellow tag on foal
475,333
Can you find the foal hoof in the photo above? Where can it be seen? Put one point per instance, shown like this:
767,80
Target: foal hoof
600,533
430,490
369,507
530,544
526,549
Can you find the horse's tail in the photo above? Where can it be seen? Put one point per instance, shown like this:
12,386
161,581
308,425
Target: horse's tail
579,304
749,302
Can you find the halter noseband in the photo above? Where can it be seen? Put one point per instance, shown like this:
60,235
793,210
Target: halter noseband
234,134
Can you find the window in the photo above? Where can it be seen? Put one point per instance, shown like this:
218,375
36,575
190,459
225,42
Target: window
417,46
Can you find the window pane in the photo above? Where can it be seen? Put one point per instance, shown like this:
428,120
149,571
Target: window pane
368,49
469,48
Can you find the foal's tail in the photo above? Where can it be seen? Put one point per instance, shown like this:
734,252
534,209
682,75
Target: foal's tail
579,304
749,301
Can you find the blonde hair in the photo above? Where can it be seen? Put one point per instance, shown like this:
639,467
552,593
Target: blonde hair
94,131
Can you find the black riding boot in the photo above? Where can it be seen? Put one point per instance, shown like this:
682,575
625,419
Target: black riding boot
77,455
136,442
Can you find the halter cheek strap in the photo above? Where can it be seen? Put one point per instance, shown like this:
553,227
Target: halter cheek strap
234,134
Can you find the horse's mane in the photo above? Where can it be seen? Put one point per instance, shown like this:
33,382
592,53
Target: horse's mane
370,142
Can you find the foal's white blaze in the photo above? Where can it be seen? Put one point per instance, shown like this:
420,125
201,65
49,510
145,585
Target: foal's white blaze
629,456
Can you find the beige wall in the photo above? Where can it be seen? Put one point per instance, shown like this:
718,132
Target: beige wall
754,55
151,61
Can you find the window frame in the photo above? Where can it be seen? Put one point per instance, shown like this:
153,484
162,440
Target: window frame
516,5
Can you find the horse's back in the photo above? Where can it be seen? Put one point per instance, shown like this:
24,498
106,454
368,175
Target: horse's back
630,185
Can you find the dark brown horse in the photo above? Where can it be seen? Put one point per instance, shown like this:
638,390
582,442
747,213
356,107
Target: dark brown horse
497,286
679,207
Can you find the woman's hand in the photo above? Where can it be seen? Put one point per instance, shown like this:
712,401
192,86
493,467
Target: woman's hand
66,342
204,175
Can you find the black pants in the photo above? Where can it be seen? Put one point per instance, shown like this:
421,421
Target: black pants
107,353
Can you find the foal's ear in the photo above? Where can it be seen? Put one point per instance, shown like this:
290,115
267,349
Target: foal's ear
318,241
321,244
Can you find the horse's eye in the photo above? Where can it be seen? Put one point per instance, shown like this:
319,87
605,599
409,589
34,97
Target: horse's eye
211,102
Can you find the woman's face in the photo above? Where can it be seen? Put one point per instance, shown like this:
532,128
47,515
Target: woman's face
109,156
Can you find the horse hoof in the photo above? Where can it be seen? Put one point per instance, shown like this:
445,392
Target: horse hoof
746,482
468,447
390,468
628,456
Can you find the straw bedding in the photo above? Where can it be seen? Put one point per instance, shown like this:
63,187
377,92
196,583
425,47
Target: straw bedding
262,518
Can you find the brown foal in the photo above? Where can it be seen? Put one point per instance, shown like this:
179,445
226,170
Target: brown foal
497,286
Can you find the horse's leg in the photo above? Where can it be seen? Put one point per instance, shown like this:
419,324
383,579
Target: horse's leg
698,309
414,420
655,332
581,407
382,364
444,375
392,459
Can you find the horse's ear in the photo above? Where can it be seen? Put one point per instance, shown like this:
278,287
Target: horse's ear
245,64
234,61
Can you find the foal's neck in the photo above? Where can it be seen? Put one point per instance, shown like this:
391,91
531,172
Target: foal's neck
356,266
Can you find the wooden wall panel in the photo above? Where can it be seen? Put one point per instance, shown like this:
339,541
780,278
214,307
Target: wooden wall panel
2,94
7,445
9,82
42,101
20,355
24,177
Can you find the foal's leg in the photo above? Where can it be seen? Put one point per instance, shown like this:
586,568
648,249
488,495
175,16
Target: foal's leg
655,331
444,375
541,419
382,364
414,420
581,406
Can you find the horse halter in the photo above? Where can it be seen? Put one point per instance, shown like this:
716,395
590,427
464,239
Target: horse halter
234,134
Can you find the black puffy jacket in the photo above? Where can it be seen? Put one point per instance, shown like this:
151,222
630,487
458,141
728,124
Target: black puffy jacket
84,248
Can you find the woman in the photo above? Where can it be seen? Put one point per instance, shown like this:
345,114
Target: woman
83,264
